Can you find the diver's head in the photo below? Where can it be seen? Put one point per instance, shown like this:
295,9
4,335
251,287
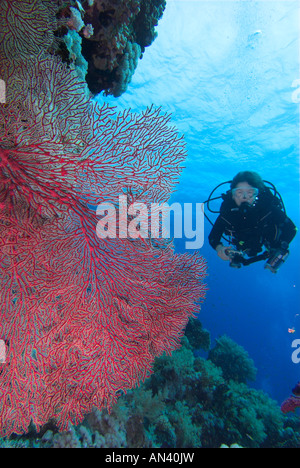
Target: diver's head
244,193
245,187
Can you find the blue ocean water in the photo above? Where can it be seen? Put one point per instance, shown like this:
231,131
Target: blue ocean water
228,71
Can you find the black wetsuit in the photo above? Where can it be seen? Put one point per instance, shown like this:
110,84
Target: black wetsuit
252,227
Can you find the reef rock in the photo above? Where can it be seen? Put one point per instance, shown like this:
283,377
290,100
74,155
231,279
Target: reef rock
106,38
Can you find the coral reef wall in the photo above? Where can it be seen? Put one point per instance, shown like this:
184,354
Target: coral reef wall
82,317
113,35
188,402
103,39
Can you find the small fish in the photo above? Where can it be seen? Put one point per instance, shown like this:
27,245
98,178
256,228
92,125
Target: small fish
291,330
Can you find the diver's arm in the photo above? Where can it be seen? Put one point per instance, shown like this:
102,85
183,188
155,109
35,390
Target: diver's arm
215,236
216,233
286,229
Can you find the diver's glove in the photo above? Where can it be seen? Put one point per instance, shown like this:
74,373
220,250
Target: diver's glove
223,251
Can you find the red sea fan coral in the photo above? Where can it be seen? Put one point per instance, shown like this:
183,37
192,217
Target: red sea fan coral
82,318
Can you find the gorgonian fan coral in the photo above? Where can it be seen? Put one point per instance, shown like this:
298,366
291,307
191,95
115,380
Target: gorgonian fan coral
82,318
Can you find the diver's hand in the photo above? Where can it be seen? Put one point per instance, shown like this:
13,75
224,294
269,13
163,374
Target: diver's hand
221,251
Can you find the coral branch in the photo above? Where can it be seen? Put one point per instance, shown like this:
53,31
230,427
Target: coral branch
83,318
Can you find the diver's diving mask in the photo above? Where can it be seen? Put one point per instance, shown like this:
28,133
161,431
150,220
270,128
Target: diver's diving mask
245,193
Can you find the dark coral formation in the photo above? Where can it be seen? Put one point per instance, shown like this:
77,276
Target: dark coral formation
199,337
110,35
233,360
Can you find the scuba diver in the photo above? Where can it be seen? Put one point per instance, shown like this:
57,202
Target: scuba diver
252,216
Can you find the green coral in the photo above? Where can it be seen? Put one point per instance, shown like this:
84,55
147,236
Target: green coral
73,43
145,22
233,360
251,417
126,69
199,337
188,434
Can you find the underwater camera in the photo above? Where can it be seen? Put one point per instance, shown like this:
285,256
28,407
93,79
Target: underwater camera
275,260
236,258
